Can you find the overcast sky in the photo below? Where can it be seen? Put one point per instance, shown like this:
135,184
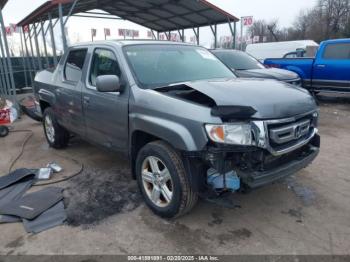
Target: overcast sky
79,28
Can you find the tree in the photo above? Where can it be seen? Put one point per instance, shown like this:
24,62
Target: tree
273,29
328,19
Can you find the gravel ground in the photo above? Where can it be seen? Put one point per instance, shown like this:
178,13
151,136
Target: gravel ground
305,214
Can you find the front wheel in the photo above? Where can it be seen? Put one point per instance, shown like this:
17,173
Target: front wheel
56,135
163,181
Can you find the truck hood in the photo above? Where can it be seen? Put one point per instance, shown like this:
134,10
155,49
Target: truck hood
269,98
269,73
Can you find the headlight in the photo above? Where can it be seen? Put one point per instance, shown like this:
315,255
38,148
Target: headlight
233,134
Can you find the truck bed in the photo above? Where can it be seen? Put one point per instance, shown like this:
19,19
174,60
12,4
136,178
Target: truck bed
301,66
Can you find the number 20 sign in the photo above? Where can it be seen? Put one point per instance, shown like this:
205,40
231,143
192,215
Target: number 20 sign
247,21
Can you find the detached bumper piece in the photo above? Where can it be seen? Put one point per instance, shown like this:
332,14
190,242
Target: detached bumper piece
258,179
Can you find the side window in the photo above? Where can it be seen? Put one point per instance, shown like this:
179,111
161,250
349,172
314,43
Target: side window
74,65
337,51
104,62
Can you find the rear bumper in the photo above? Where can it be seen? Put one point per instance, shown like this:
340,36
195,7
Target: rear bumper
258,179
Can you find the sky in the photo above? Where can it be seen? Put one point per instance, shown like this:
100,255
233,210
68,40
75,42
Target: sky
79,28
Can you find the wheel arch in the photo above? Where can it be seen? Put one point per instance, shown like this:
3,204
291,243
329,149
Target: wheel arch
138,140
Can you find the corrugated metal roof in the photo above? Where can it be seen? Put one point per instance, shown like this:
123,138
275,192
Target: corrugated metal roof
158,15
2,3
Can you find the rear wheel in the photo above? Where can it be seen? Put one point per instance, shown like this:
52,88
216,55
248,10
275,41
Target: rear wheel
56,135
163,180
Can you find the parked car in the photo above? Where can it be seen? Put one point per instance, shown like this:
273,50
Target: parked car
261,51
244,65
189,127
329,71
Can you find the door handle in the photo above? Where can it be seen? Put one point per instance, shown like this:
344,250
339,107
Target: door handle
86,100
321,66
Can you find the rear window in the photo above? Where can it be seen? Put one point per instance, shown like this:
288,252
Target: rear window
337,51
74,65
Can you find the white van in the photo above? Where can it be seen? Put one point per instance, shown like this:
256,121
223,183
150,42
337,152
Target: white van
302,48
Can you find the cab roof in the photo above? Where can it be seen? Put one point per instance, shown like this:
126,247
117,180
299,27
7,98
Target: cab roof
132,42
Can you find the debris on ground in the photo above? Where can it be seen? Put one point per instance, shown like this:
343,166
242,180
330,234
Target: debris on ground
39,210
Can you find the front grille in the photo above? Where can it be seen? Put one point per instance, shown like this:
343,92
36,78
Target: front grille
284,135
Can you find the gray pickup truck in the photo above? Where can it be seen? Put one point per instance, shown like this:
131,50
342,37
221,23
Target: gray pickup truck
189,127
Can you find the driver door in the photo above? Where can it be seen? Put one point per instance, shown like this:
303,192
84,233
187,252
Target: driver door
106,114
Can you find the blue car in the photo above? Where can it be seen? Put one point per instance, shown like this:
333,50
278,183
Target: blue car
329,71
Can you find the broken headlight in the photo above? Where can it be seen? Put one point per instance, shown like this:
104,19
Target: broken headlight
233,134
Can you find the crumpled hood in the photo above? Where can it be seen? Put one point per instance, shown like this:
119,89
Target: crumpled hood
270,98
269,73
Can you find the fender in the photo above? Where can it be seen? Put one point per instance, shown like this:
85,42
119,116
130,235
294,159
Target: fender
174,133
297,70
47,96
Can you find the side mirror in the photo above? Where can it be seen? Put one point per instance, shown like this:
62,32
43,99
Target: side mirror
108,83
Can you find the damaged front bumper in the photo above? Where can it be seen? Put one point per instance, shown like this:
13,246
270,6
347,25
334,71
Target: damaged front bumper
255,167
256,179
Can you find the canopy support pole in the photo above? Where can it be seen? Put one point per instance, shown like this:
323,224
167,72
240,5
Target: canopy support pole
214,30
64,39
153,34
37,47
182,35
52,36
70,11
4,68
3,75
33,69
9,63
44,41
168,36
2,80
233,33
196,33
23,59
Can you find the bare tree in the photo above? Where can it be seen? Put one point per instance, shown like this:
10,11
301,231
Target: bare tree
273,29
328,19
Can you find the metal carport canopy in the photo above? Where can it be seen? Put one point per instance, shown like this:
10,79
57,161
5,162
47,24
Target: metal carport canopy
158,15
2,3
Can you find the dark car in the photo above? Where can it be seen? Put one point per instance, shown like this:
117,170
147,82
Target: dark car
244,65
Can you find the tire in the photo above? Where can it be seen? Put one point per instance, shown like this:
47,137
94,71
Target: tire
4,131
183,198
56,135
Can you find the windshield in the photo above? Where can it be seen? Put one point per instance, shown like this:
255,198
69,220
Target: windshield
238,60
162,65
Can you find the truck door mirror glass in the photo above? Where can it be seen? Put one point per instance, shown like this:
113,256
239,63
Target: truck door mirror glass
108,83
